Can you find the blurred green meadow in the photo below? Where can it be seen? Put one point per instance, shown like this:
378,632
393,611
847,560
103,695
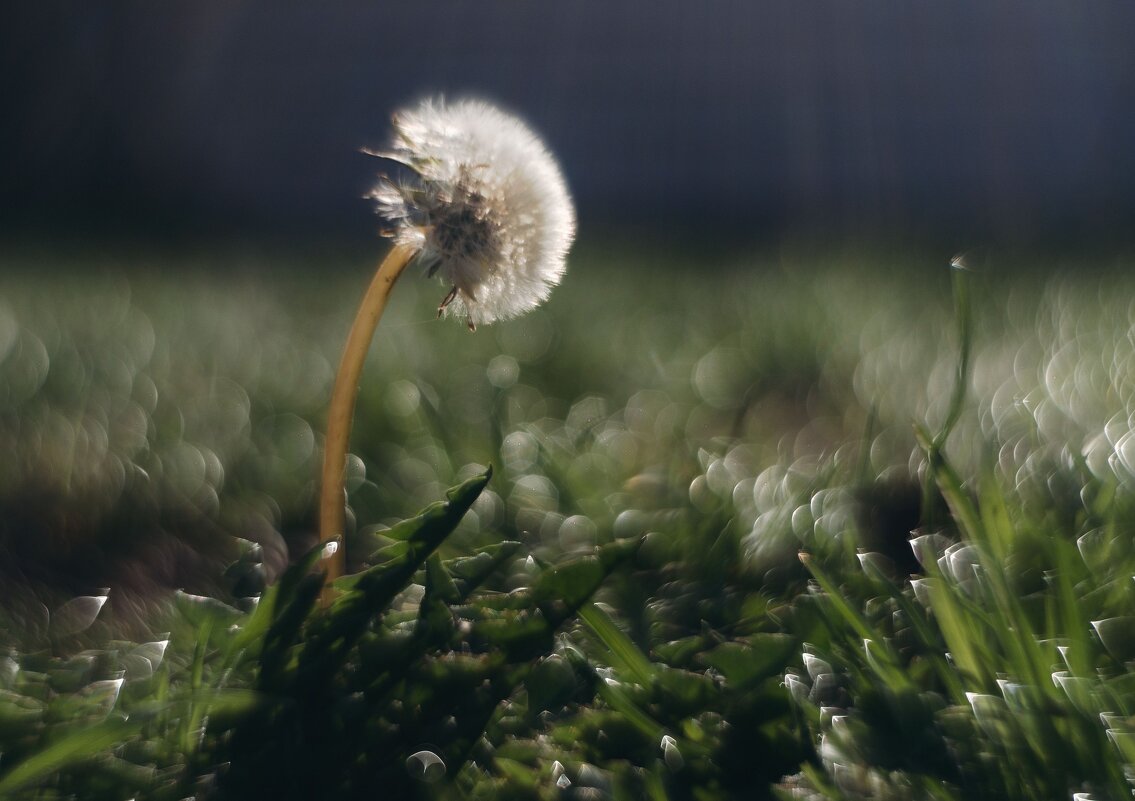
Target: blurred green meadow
707,468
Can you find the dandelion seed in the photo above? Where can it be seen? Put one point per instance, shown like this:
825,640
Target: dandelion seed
484,206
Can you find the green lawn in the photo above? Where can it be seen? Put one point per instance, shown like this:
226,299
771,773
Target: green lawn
688,575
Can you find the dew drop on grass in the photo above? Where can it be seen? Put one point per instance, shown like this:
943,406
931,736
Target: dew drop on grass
403,398
103,695
875,564
720,480
519,451
534,491
592,777
670,753
586,414
355,473
1093,547
1116,634
717,379
76,615
631,523
1078,689
503,371
927,547
1124,741
145,393
802,522
1110,720
153,652
701,496
797,687
425,766
921,589
577,532
828,714
816,667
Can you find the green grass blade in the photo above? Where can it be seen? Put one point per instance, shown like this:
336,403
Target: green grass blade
880,653
626,654
470,572
80,744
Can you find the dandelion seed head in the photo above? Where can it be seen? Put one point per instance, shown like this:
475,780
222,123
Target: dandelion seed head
483,203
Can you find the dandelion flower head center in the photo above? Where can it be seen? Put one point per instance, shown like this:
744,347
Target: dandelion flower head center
482,202
461,224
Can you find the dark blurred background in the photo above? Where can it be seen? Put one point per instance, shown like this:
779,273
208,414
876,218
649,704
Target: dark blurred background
969,120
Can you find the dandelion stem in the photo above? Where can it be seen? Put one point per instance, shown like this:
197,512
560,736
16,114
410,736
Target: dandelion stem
332,502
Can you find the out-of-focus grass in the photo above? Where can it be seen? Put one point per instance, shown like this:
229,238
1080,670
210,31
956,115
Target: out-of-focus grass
193,384
732,409
186,398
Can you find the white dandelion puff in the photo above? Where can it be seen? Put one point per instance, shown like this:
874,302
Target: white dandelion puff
480,204
483,204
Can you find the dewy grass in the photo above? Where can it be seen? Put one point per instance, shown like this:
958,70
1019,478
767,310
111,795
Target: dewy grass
933,446
995,649
484,207
705,662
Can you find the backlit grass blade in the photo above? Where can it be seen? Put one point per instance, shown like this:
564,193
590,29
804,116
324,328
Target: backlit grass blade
949,483
627,655
959,631
994,513
80,743
885,661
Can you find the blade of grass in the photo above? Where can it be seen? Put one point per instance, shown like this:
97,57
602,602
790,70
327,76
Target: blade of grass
626,654
79,744
886,662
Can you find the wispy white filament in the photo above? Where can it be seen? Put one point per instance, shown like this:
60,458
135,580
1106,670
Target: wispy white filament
483,203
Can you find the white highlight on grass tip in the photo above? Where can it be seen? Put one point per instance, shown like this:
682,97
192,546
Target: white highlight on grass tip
425,766
670,753
796,686
815,666
104,693
77,614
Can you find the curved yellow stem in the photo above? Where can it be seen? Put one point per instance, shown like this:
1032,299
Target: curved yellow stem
332,500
